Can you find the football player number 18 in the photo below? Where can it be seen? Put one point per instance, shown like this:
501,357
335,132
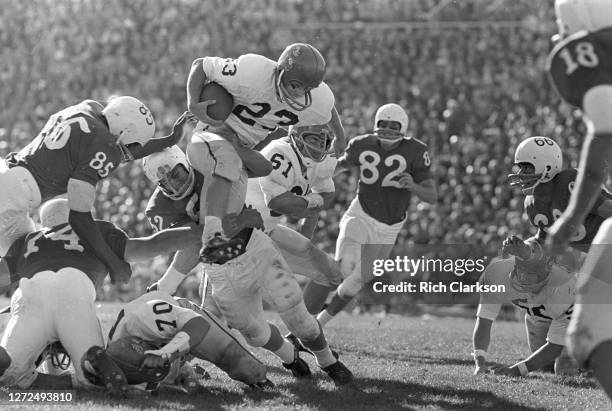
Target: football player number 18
584,55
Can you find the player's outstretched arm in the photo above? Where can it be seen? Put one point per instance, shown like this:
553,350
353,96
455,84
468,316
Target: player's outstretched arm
481,339
158,144
81,197
162,242
544,356
336,126
195,83
254,162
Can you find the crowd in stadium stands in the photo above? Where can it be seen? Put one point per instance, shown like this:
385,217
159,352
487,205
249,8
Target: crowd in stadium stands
473,91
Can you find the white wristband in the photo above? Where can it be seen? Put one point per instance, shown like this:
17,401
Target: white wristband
479,353
314,200
522,367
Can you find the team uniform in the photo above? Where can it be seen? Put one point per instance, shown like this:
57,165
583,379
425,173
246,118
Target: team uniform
57,278
576,65
550,199
75,143
547,313
376,215
290,174
257,109
157,317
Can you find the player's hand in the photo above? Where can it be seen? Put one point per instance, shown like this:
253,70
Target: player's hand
154,360
120,272
505,370
178,127
514,245
234,223
200,111
339,146
406,181
559,234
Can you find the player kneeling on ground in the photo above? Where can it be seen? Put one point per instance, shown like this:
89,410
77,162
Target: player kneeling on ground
545,292
58,277
171,328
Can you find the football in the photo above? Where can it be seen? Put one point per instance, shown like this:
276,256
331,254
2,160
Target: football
224,101
128,354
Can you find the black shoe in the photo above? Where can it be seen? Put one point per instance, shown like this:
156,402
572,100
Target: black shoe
339,373
298,367
262,384
100,369
300,347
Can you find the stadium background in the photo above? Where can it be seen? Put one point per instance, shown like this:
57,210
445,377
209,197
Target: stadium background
470,73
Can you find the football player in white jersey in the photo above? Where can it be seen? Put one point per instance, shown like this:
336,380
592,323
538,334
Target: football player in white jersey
178,327
300,185
579,67
267,95
545,292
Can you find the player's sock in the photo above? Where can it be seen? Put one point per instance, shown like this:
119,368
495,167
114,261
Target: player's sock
320,349
336,305
324,317
315,296
324,357
280,346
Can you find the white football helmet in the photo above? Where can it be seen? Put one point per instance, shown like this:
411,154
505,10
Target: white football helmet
161,168
394,124
54,212
578,15
312,143
537,160
130,120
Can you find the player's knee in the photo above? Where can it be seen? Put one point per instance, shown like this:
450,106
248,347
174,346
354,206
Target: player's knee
301,323
604,234
5,361
242,366
256,334
351,286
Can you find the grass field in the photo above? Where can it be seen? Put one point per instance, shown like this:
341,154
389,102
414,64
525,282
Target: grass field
399,363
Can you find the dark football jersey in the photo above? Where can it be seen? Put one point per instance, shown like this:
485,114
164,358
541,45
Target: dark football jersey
164,212
579,63
552,198
59,247
75,143
380,193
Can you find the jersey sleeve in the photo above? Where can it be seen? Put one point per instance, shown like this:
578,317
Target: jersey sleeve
324,181
491,303
115,237
280,180
13,256
320,111
351,154
578,64
235,75
420,166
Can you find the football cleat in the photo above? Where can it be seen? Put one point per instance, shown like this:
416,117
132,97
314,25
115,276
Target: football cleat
301,348
219,250
298,367
100,369
339,373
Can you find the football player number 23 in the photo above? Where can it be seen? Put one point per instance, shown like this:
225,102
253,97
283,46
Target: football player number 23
369,160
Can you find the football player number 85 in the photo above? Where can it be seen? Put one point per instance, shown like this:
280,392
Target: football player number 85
59,132
584,55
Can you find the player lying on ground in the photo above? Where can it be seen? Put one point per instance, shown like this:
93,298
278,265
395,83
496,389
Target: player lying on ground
267,95
78,146
580,67
58,277
261,272
172,329
545,292
392,167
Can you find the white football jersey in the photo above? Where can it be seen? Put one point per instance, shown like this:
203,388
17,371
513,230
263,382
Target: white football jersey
155,317
257,109
288,174
554,302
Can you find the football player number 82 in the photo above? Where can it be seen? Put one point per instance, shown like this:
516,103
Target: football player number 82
369,174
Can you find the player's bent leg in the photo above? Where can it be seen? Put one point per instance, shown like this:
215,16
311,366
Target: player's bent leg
221,348
537,330
26,335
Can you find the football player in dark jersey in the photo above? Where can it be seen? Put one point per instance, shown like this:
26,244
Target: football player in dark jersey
78,146
392,168
58,277
580,68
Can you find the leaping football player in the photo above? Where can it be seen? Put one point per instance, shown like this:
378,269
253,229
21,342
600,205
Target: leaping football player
258,272
580,68
78,146
267,95
392,167
58,277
